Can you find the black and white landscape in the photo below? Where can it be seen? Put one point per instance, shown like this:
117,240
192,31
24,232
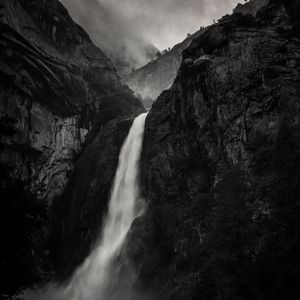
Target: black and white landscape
150,150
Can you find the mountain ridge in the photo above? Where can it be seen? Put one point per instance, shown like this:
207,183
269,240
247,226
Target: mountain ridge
150,80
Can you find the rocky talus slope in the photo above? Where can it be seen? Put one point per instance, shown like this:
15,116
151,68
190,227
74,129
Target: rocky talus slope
57,90
221,166
149,81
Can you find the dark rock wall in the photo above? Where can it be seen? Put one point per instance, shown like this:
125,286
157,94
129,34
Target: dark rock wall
221,165
251,7
57,90
57,86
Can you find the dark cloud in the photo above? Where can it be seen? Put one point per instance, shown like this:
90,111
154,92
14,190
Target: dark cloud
128,27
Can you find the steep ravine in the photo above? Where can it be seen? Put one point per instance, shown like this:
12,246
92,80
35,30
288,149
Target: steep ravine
220,161
221,166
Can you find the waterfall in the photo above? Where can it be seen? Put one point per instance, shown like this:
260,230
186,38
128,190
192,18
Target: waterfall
92,279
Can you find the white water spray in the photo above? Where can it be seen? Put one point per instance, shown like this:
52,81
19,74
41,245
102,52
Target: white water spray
92,279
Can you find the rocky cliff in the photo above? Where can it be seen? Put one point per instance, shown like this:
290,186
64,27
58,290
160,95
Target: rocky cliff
251,7
57,90
221,165
149,81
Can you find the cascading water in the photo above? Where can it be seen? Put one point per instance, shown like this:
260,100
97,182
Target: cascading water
92,279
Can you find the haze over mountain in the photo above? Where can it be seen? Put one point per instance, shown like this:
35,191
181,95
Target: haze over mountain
158,75
131,31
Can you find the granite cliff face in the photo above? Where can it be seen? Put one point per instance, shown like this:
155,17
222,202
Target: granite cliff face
57,90
221,165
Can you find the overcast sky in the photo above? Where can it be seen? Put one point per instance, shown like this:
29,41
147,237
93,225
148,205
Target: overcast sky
132,24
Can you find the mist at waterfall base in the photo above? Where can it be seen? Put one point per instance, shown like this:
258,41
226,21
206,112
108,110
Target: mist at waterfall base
104,275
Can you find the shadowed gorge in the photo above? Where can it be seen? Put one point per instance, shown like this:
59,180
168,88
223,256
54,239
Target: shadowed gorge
197,199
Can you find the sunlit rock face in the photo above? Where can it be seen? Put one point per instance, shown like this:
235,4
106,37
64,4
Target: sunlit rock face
41,149
56,91
221,165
